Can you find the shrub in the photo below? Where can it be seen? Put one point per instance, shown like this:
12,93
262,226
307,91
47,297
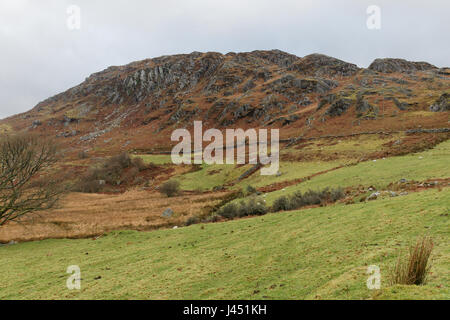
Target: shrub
251,189
255,207
170,188
112,171
139,164
310,197
131,174
192,220
243,209
414,268
122,160
229,211
88,186
212,218
280,204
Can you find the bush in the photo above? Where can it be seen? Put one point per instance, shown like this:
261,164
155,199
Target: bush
88,186
310,197
122,160
113,172
251,189
229,211
192,220
281,204
255,207
413,269
139,164
250,208
170,188
131,174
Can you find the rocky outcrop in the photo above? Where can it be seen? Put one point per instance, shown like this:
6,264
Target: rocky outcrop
277,57
364,109
441,104
321,65
295,88
338,107
258,88
389,65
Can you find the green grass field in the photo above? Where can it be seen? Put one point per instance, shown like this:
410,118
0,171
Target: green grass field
210,176
429,164
157,159
289,171
319,253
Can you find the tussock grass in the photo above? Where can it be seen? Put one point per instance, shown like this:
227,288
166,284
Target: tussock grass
414,268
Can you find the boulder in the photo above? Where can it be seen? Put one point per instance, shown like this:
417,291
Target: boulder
167,213
373,196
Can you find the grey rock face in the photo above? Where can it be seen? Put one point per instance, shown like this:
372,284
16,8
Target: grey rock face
36,123
401,105
442,104
338,107
321,65
278,57
389,65
365,109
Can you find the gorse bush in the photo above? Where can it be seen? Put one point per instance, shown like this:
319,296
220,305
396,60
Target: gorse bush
310,197
281,204
251,207
170,188
113,172
229,211
251,189
414,268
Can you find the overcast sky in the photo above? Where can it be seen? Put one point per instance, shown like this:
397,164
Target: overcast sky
41,56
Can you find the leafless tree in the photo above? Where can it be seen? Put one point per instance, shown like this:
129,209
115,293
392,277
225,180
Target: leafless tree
23,160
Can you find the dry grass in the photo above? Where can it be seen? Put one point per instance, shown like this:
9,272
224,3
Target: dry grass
87,215
414,268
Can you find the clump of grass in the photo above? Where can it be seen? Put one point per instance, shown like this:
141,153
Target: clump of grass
414,268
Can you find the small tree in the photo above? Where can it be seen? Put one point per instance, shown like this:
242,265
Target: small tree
170,188
22,159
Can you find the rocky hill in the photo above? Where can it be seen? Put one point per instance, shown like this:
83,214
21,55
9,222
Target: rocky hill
137,106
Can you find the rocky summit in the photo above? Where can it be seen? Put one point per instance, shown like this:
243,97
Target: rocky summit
128,106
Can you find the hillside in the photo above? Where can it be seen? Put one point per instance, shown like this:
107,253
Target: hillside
378,135
137,106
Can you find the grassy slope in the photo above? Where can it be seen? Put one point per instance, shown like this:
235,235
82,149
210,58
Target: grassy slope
290,171
314,253
420,166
